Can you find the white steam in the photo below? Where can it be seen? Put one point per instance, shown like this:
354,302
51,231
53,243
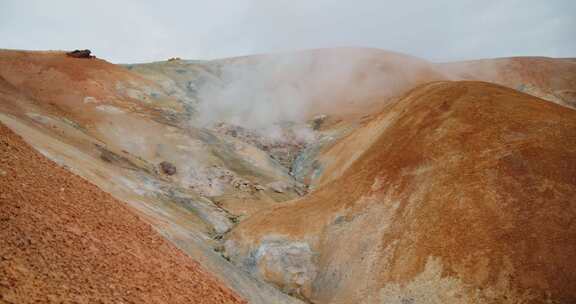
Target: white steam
259,92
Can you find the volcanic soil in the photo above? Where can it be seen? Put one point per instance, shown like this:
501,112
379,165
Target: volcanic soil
63,240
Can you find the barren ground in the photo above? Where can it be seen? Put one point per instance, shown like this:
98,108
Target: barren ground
63,240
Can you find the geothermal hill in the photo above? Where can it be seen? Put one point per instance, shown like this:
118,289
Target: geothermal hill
329,176
64,240
548,78
458,198
115,129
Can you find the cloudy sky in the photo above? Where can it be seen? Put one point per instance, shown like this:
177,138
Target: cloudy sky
125,31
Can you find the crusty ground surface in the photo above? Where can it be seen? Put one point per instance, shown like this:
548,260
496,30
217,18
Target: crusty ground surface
63,240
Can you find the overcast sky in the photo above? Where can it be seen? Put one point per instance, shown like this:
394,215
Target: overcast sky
124,31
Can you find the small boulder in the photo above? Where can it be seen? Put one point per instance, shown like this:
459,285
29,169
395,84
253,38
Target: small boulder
107,156
317,121
168,168
81,54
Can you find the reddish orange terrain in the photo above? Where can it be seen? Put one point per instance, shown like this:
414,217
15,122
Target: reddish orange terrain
63,240
464,194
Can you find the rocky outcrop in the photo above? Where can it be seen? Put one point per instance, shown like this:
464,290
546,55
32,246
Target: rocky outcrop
283,147
290,265
81,54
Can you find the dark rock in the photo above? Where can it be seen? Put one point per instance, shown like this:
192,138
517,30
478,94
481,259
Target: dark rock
317,122
168,168
81,54
108,156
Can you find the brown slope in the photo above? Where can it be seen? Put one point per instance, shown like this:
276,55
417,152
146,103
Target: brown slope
64,240
466,194
552,79
60,84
